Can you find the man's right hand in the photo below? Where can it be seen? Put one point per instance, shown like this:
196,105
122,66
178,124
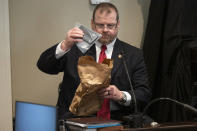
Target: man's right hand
73,36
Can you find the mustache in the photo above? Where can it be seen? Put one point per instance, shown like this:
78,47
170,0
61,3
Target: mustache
105,33
105,36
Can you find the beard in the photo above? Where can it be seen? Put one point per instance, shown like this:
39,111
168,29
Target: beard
107,38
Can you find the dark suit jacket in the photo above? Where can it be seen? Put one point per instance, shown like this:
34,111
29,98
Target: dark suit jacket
68,64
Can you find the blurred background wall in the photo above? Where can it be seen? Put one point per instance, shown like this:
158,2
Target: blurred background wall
5,69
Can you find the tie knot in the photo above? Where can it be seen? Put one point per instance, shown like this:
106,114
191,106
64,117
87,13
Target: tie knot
103,47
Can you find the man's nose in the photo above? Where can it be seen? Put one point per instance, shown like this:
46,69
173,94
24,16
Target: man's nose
105,28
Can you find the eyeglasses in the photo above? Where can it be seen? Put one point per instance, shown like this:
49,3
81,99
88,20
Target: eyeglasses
103,26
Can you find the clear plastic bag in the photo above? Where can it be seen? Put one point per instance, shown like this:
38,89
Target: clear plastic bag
89,38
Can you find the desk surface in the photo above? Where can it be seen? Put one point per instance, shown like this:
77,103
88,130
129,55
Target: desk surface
181,126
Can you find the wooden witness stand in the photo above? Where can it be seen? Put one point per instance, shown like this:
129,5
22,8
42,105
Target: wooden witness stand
113,125
181,126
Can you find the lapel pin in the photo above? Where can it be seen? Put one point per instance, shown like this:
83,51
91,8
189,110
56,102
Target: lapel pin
119,56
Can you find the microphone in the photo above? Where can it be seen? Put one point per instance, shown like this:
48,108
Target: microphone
134,120
130,84
137,119
186,106
155,124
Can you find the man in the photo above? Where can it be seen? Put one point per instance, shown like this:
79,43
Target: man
64,57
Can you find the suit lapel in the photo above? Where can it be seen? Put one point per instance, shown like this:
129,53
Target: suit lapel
92,52
116,56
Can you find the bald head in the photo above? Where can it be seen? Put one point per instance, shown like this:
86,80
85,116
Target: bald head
105,9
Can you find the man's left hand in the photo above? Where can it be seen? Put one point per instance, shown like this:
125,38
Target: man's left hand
111,92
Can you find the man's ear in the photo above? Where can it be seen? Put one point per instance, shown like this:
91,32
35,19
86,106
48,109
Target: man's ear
118,24
92,24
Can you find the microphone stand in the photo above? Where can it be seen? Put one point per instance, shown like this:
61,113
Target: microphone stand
134,120
186,106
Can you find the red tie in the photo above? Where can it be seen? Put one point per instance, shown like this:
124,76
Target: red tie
104,112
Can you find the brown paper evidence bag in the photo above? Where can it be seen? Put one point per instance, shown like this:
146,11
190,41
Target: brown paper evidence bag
93,76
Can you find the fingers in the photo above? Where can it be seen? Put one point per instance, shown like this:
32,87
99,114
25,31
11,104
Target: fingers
73,35
103,92
111,92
